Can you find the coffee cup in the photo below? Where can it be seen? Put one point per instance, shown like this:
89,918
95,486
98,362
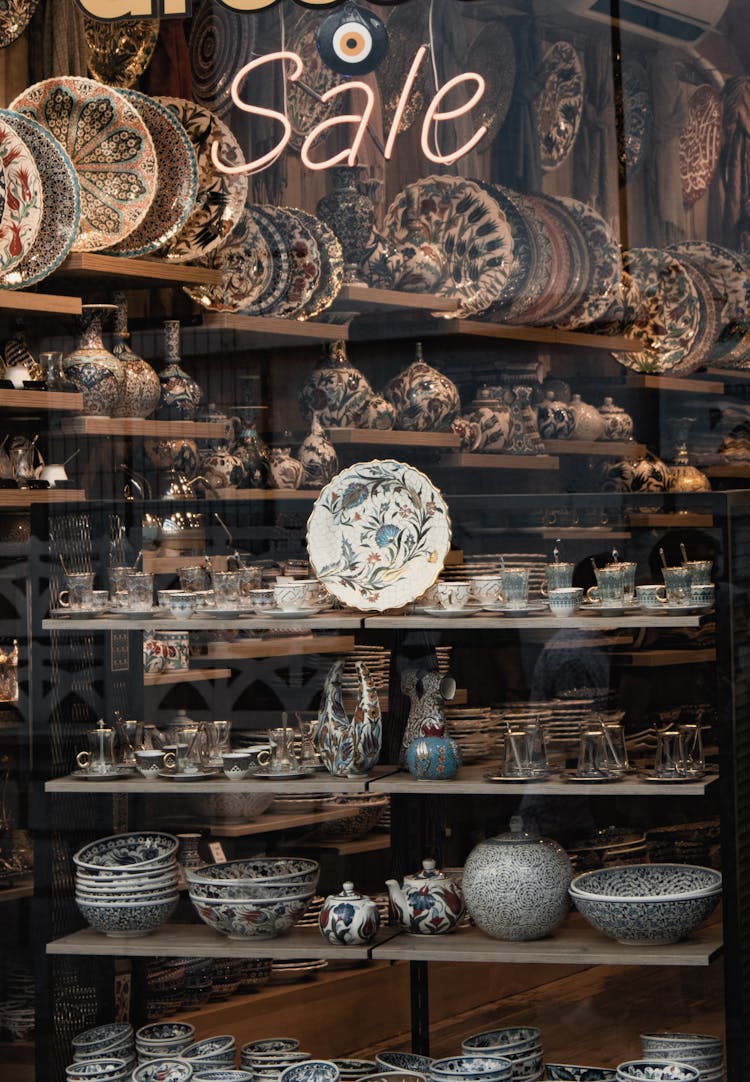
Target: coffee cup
651,597
179,603
262,601
294,595
454,595
238,764
487,588
565,602
703,593
149,761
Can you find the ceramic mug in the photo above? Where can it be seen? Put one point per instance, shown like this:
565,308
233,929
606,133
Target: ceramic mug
651,597
154,658
149,761
515,582
565,602
559,577
176,649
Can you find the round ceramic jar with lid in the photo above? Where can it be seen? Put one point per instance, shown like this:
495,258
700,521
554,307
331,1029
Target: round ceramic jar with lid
349,918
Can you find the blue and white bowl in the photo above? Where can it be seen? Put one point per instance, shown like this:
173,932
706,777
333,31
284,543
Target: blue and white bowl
250,918
635,1070
472,1069
262,871
128,853
218,1074
108,1067
113,1033
170,1031
124,920
313,1070
573,1072
404,1061
508,1039
637,881
168,1069
271,1044
222,1047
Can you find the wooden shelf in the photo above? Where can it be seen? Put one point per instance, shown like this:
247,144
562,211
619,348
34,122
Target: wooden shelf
145,272
670,520
186,676
345,847
23,889
740,470
270,823
470,782
363,298
467,459
155,622
200,941
279,494
320,782
659,659
573,944
379,437
547,336
135,426
28,497
601,448
40,401
729,375
642,381
40,304
289,646
268,331
165,565
486,621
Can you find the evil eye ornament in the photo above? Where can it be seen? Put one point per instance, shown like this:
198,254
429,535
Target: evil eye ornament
352,41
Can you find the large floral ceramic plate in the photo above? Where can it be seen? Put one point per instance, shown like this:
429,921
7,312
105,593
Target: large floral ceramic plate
304,110
708,323
700,143
246,266
378,535
663,316
524,255
726,272
465,230
178,179
14,18
61,211
119,52
110,147
605,268
559,104
331,266
24,199
221,198
221,42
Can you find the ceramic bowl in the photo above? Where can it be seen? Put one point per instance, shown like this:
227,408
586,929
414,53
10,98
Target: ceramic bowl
638,881
234,807
260,918
635,1070
350,1069
572,1072
395,1076
471,1068
123,1050
702,1043
223,1045
313,1070
265,871
648,921
102,1036
107,1067
510,1037
219,1074
127,920
163,1070
272,1044
128,852
408,1062
127,887
121,878
167,1032
526,1067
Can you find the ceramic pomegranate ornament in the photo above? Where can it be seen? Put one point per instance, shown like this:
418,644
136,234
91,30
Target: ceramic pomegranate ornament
336,391
425,400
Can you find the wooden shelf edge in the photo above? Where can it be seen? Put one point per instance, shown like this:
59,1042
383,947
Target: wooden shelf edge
42,304
188,676
27,497
463,459
390,437
136,426
294,331
682,385
43,401
602,448
543,335
151,270
374,299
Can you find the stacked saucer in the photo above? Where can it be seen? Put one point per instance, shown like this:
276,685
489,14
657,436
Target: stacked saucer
694,1049
17,1015
613,845
211,1054
293,970
377,660
476,730
522,1045
163,1040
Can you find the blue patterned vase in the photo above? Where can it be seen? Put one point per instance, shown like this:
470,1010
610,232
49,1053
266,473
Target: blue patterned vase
180,396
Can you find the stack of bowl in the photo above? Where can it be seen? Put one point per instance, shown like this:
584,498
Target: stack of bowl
113,1039
404,1062
126,884
313,1070
638,1070
259,898
695,1049
266,1059
211,1054
471,1069
353,1070
647,904
166,1069
576,1072
104,1069
163,1040
522,1045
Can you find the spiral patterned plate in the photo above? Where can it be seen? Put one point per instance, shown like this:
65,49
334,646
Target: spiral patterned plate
246,267
559,104
24,199
277,241
605,270
119,52
220,200
221,42
304,265
15,16
61,210
111,150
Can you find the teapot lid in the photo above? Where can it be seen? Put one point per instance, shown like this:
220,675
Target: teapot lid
349,894
430,870
517,835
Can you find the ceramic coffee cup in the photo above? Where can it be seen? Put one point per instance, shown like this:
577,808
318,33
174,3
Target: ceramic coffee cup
238,764
487,589
703,594
262,600
651,597
178,603
150,761
454,595
295,595
565,602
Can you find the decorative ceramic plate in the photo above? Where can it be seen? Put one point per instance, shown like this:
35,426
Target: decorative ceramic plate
378,535
178,179
567,233
493,56
727,273
111,150
304,110
449,614
637,116
605,267
15,16
665,318
407,30
559,272
700,143
457,218
221,198
61,210
559,104
119,52
304,261
331,266
221,42
540,271
708,323
24,200
524,253
246,265
196,775
91,775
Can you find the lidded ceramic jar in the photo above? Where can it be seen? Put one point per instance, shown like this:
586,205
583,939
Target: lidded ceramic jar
428,903
618,425
493,421
516,884
554,419
336,391
425,399
180,396
286,470
589,423
350,214
433,757
635,475
142,388
349,918
96,372
380,413
317,454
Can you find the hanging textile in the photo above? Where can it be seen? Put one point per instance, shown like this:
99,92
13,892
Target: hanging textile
595,173
735,163
57,45
665,209
514,158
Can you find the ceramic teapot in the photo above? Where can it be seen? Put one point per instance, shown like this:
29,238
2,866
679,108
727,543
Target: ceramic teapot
336,391
647,474
349,747
428,903
589,423
349,918
428,690
618,425
425,399
516,884
221,467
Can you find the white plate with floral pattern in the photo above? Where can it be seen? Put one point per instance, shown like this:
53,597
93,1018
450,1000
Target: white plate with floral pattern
378,535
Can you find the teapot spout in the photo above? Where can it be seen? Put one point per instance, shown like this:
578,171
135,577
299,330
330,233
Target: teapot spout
398,901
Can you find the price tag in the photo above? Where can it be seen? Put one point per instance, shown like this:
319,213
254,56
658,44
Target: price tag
217,852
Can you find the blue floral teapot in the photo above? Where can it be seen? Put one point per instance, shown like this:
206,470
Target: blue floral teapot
428,903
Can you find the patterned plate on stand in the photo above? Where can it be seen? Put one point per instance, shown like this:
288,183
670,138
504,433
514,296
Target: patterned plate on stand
708,325
246,264
559,104
111,150
221,42
574,288
119,52
277,242
15,16
61,211
727,273
24,200
178,179
559,270
524,248
221,198
540,272
605,270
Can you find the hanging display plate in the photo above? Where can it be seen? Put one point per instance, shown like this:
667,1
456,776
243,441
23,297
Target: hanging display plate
221,42
24,201
559,104
120,51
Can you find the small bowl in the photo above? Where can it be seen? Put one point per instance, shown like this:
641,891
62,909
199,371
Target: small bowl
510,1037
222,1045
105,1068
130,853
221,1074
312,1070
271,1044
573,1072
408,1062
395,1076
471,1068
633,882
635,1070
168,1069
102,1036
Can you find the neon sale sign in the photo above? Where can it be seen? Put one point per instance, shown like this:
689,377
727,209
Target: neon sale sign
434,116
111,10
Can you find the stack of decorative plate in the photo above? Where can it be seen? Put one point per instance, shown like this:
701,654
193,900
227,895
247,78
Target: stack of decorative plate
694,1049
685,843
476,730
165,988
293,970
211,1054
227,977
17,1008
376,658
198,982
254,973
269,1057
163,1040
613,845
522,1045
350,1070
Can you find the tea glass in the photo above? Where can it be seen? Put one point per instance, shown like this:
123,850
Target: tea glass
454,595
677,585
282,757
100,757
651,597
226,589
670,754
140,591
629,570
118,578
615,748
251,578
195,578
700,571
515,588
559,577
610,586
517,763
593,760
99,600
692,746
79,592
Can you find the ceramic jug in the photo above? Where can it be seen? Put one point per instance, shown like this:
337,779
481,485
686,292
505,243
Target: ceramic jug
349,918
320,463
428,690
180,395
142,388
425,399
428,903
336,391
96,372
516,884
589,423
349,747
492,418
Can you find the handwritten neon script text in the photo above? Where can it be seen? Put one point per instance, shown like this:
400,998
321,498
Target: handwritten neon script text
433,117
110,10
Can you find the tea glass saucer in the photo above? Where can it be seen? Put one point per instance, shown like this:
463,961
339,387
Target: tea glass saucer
466,610
109,775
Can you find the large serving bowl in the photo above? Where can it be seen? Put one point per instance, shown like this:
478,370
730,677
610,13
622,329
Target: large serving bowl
510,1038
251,918
642,904
573,1072
261,871
129,853
123,919
229,890
636,1070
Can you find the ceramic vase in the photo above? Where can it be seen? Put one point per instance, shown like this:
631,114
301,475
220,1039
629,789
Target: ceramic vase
493,421
684,477
618,425
318,456
589,423
349,747
351,216
433,758
287,471
142,388
425,400
96,372
349,918
250,448
180,395
336,391
554,419
379,413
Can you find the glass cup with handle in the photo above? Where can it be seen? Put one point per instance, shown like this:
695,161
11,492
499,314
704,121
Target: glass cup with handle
610,586
559,577
79,593
100,756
